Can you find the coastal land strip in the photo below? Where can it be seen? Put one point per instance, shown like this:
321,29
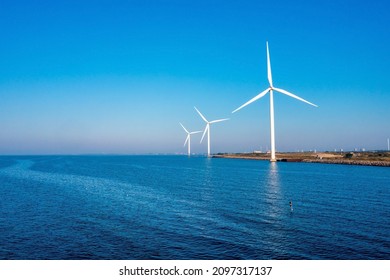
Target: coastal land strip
377,158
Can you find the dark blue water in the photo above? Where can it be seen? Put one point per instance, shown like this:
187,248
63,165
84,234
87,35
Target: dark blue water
173,207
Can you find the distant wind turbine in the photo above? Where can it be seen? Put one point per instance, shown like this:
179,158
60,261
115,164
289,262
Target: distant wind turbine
207,129
270,89
188,139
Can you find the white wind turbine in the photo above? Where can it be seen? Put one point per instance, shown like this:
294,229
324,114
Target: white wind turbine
270,89
207,129
188,139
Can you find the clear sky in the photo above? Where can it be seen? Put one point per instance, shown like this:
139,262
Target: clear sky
118,76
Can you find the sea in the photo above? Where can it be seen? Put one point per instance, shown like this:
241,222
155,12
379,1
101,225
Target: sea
190,208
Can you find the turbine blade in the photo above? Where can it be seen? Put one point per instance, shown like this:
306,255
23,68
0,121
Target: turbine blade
221,120
184,128
294,96
200,114
204,133
269,67
188,137
195,132
260,95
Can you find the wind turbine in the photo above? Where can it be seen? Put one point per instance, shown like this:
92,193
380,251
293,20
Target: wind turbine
207,129
270,89
188,139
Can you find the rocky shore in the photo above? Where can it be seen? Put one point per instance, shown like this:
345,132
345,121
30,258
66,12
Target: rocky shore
350,158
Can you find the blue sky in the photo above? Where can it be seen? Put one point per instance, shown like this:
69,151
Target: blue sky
118,76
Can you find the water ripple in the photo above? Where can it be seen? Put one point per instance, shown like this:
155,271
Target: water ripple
145,207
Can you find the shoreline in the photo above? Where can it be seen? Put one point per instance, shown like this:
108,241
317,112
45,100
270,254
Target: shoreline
381,159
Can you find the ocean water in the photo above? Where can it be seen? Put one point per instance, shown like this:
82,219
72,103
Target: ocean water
175,207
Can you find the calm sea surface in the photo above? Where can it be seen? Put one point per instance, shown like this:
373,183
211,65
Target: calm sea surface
175,207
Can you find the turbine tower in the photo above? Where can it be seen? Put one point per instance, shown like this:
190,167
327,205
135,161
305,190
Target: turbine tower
270,89
207,129
188,139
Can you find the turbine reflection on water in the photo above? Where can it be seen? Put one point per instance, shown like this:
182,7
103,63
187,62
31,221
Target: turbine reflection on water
273,191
